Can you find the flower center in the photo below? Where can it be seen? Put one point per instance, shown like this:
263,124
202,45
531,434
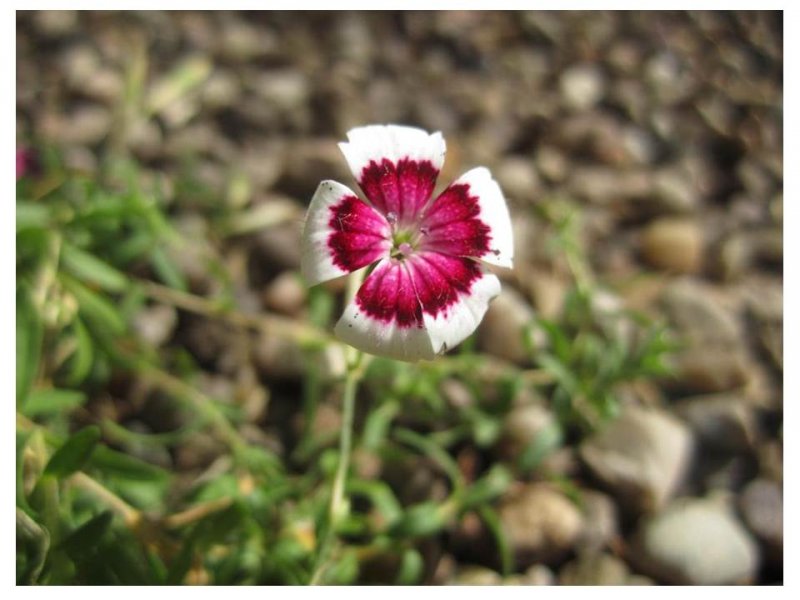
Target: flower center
404,243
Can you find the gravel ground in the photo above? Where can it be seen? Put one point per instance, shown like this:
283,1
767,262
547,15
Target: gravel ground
664,129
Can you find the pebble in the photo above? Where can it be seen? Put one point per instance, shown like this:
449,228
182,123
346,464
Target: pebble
607,187
538,575
673,245
582,86
642,457
156,324
527,425
701,313
594,569
540,522
88,124
761,506
476,575
747,250
695,542
601,521
284,359
552,163
279,247
503,328
286,294
723,422
674,191
548,291
709,369
519,179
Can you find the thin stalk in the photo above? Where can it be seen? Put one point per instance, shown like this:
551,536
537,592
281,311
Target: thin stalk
339,506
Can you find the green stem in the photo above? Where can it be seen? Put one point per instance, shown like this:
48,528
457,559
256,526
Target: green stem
339,506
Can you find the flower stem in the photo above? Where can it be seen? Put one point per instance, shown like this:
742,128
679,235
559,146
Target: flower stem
339,506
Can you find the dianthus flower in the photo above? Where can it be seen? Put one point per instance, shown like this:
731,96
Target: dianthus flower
427,290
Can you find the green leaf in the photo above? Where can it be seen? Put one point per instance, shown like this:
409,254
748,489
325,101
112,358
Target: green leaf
79,364
495,527
380,495
35,541
491,485
560,371
22,441
98,311
167,270
557,337
91,269
345,570
377,424
420,520
74,453
435,452
32,215
87,537
547,440
29,342
52,401
116,464
411,568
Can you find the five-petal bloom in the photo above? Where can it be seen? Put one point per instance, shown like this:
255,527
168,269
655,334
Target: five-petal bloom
428,290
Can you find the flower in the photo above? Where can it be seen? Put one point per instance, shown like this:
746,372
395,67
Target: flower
427,290
27,162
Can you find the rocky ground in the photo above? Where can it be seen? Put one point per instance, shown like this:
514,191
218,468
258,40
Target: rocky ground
662,130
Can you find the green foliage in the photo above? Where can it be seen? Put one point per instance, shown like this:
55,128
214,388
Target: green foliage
591,352
99,502
72,454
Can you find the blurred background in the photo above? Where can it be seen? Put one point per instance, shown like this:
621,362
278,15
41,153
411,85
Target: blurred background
617,418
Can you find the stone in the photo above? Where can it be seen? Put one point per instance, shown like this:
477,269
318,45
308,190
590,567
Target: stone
87,124
582,86
552,164
594,569
604,186
475,575
695,542
673,245
540,522
286,294
524,426
548,292
279,246
674,191
743,251
642,457
538,575
503,330
761,506
709,369
156,324
701,314
724,422
284,358
600,522
519,179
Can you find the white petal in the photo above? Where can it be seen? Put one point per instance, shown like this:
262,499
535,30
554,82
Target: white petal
381,339
391,142
386,336
494,213
320,261
450,328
